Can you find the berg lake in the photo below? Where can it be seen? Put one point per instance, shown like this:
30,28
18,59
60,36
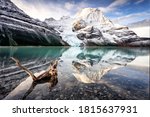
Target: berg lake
83,73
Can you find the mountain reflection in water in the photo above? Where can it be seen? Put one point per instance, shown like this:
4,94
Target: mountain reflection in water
83,73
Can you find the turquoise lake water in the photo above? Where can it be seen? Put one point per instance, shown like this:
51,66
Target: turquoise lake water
83,73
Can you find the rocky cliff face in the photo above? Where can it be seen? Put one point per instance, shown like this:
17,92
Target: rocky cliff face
17,28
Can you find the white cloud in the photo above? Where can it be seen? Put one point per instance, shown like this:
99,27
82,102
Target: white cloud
113,6
69,5
41,10
81,5
118,13
139,1
132,18
76,6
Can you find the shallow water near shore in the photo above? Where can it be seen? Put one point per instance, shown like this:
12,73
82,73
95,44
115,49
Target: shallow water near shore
83,73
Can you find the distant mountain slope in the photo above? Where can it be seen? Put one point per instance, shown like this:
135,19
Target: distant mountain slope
17,28
141,28
142,23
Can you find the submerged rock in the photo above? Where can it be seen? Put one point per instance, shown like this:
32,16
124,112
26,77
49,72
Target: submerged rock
17,28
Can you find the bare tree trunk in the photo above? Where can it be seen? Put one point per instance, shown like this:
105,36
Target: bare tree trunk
24,68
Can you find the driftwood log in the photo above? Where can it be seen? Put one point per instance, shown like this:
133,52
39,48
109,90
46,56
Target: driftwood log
50,75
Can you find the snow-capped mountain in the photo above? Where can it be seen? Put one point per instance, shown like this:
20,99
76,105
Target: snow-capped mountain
93,15
90,27
93,28
47,20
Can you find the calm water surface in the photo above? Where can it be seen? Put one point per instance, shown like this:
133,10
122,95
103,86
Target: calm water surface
83,73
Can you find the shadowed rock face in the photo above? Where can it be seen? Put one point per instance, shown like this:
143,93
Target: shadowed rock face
17,28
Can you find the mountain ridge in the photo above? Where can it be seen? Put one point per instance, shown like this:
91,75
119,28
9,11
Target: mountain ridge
17,28
142,23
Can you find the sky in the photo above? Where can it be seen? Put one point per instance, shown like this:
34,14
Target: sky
119,11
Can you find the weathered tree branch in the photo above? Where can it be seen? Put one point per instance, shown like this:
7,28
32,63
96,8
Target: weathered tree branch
50,76
24,68
51,73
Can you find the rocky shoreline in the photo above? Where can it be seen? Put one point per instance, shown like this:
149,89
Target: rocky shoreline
106,89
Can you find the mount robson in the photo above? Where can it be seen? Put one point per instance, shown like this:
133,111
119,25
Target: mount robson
88,28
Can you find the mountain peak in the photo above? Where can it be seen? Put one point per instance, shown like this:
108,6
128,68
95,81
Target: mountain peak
93,15
90,9
65,17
